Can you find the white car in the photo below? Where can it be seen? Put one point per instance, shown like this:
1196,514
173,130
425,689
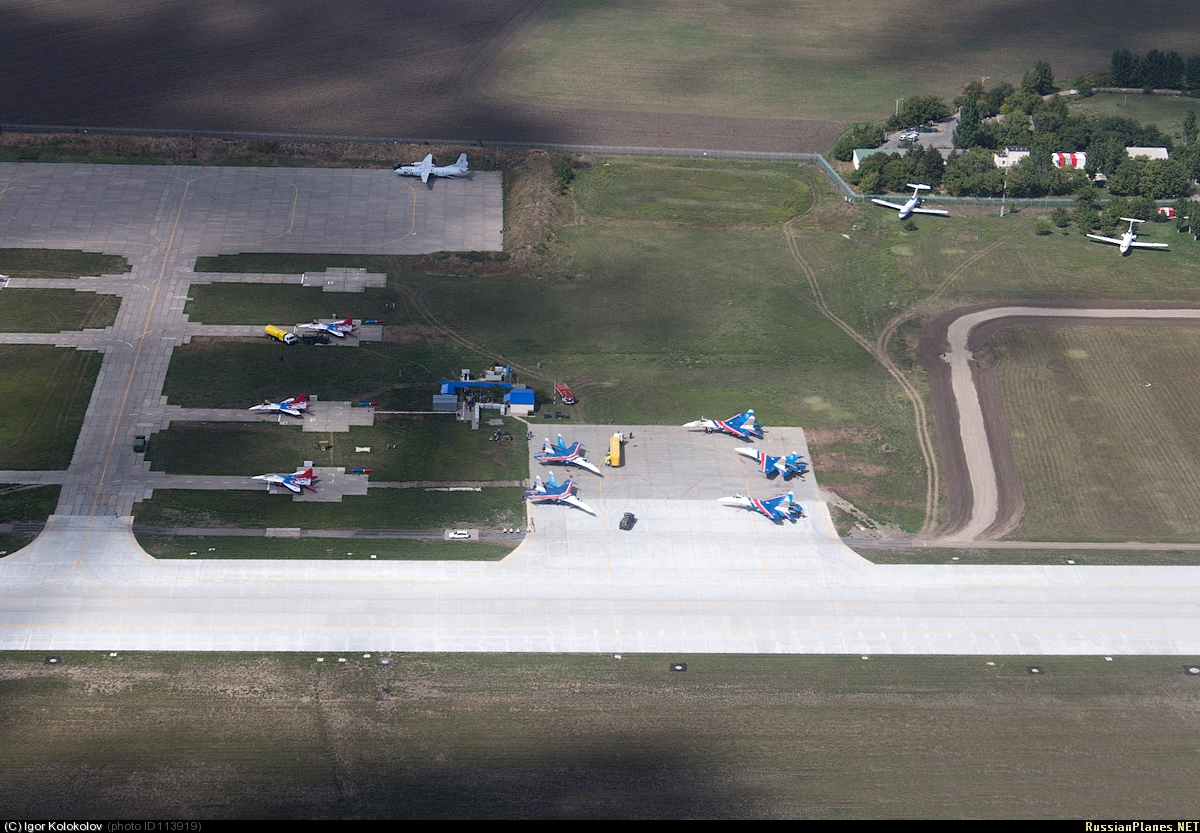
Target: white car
459,535
909,135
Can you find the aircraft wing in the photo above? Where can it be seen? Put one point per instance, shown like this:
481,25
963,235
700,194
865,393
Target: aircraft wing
577,503
1103,239
887,204
424,174
738,501
931,211
295,487
1150,245
585,464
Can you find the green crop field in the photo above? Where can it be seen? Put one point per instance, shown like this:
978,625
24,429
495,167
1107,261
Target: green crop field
817,60
46,392
1103,421
52,310
381,509
332,549
186,735
431,448
59,263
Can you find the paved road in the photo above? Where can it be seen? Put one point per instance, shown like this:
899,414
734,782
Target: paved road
972,427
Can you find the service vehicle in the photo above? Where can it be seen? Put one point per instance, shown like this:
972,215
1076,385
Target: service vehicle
280,334
564,393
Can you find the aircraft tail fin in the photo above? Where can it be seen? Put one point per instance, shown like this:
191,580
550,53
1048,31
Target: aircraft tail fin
462,161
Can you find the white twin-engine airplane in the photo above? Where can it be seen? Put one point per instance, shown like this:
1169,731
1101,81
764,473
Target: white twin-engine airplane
425,168
1128,240
913,206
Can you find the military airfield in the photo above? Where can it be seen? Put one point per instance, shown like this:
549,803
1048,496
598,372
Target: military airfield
692,576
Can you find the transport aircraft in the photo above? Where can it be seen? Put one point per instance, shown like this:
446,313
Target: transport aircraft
913,206
568,455
776,508
743,426
551,492
297,481
792,465
425,168
295,406
1128,240
335,328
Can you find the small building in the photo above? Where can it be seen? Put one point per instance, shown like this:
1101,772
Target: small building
1069,160
1010,156
445,403
1147,153
862,153
1167,211
520,401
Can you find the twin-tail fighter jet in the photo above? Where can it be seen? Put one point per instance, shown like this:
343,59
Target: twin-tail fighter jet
792,465
777,509
567,455
913,206
297,482
335,328
425,168
551,492
295,406
1128,240
743,426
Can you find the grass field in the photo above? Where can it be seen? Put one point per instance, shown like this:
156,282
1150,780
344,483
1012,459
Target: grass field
433,448
27,504
1089,557
59,263
818,60
46,392
52,310
1167,111
10,542
331,549
550,736
381,509
1104,421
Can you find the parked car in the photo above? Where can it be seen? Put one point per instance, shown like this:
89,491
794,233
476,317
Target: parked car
627,521
459,535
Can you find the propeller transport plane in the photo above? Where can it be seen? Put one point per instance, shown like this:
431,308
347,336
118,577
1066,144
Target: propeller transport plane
551,492
297,481
296,406
338,329
777,509
425,168
913,206
1128,240
792,465
560,452
743,426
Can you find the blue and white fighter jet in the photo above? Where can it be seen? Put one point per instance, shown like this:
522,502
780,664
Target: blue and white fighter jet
551,492
792,465
567,455
743,426
777,509
297,482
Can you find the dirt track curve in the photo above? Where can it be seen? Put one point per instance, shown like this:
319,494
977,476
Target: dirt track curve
983,490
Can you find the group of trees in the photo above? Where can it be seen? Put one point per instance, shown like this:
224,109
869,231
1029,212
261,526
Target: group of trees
1155,70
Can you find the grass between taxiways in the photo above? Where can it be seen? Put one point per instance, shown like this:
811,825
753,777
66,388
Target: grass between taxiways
327,549
546,735
53,310
45,391
58,263
1043,557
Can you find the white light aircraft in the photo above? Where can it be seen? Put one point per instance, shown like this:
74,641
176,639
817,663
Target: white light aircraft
425,168
913,206
1128,240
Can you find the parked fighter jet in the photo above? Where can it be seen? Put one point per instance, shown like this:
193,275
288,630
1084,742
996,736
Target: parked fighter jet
913,206
743,426
335,328
551,492
1128,240
560,452
792,465
776,508
425,168
296,406
298,481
